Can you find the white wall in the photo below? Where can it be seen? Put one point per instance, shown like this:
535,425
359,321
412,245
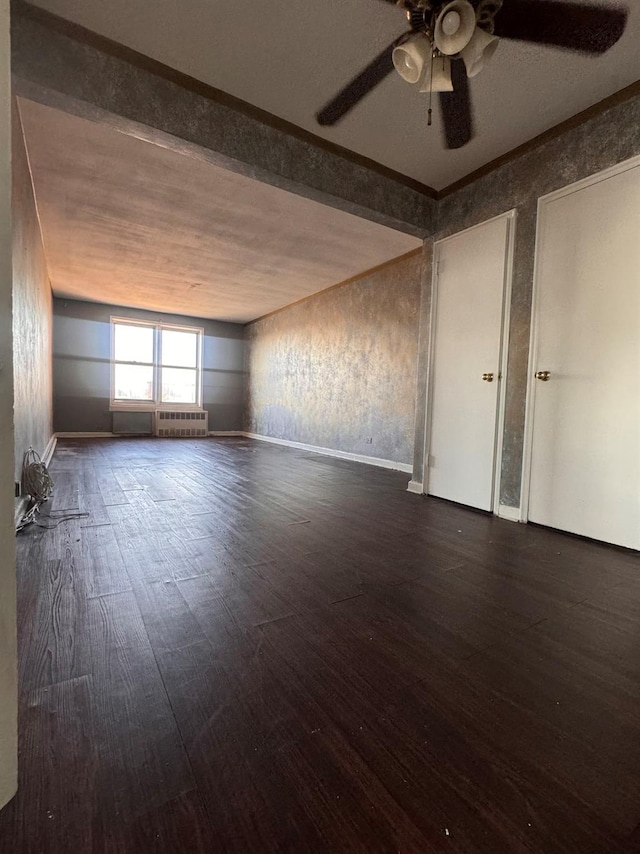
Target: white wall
8,684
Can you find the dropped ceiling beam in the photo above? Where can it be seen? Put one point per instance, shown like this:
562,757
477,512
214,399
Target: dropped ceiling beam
62,65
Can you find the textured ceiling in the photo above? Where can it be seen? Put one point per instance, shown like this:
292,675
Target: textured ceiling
290,56
130,223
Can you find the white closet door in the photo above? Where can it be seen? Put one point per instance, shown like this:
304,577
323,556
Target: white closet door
585,461
469,309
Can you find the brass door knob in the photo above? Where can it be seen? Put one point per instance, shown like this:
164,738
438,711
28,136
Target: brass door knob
488,378
543,375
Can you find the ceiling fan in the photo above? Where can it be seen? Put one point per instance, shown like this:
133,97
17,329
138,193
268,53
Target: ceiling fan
448,42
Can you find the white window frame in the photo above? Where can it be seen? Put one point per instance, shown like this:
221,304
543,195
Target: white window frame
152,405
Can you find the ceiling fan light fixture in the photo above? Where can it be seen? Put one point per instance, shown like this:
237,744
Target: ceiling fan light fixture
479,51
412,57
451,23
454,27
438,76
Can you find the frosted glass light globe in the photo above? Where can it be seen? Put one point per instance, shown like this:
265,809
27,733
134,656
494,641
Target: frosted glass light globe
409,64
451,23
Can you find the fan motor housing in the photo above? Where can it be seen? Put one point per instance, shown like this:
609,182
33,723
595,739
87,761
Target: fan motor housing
420,13
419,19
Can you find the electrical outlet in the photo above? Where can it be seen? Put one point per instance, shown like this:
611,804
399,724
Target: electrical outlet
369,440
16,489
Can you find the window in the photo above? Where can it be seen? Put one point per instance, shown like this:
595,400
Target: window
155,365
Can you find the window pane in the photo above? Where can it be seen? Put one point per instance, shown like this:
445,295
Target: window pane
133,382
179,348
133,343
179,385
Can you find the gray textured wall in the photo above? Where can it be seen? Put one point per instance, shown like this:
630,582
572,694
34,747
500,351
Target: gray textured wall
31,313
341,366
81,373
603,141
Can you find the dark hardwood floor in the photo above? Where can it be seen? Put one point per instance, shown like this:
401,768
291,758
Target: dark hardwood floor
245,648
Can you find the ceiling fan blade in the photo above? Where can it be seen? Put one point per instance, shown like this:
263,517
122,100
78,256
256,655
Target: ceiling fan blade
360,86
456,108
586,28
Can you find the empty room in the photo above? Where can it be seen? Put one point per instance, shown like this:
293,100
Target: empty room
320,427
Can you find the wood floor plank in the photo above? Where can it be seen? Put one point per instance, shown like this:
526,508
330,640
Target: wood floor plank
125,478
200,557
143,764
159,486
566,713
248,597
88,481
110,489
65,496
32,551
222,742
55,651
517,794
181,825
169,622
92,503
297,580
392,621
59,762
359,715
152,556
252,740
104,569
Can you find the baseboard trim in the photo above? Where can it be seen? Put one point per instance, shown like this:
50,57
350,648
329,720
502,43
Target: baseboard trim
416,487
48,451
330,452
85,435
513,514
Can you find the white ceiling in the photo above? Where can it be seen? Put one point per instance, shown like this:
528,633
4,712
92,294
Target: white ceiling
290,56
134,224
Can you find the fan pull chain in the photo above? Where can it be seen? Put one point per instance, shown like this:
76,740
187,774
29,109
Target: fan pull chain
430,111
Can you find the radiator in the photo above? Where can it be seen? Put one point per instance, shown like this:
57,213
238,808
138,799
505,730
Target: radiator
181,424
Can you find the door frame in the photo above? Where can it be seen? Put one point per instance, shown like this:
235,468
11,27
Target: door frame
511,217
543,202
